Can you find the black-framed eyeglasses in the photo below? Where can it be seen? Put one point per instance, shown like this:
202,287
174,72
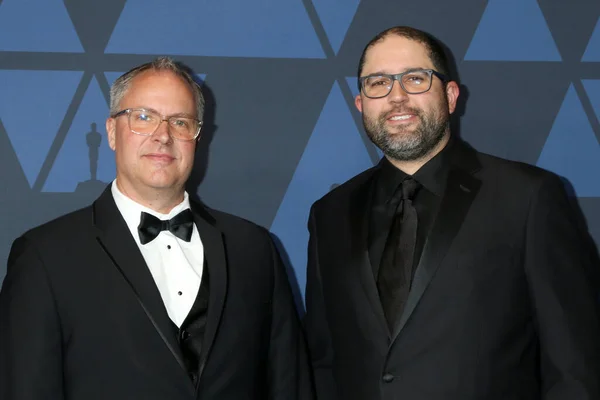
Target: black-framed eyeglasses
412,82
145,122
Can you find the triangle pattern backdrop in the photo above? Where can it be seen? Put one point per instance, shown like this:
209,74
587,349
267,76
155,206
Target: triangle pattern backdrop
35,100
72,165
336,16
592,88
37,25
592,52
334,153
210,28
513,30
572,150
32,107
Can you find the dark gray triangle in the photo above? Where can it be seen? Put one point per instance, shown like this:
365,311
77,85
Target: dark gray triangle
571,24
94,21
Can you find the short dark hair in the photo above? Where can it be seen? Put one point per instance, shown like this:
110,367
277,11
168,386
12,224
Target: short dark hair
160,64
434,48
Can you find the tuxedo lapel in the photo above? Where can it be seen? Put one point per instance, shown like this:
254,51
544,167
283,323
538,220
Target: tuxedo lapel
461,189
214,252
359,252
114,237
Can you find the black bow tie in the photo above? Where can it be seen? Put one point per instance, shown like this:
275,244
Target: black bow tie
180,225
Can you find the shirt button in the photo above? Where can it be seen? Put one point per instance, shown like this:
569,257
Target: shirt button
169,246
184,335
387,378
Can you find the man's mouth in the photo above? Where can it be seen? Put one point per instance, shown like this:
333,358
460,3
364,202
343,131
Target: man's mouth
400,117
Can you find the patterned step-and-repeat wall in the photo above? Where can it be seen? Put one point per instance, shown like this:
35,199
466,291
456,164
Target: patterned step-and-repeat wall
280,76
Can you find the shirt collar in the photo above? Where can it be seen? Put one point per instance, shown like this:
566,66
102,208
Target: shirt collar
432,175
131,210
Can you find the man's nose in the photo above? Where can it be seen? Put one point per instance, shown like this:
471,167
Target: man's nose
162,133
397,93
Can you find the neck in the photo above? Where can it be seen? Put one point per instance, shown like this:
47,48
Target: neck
159,200
410,167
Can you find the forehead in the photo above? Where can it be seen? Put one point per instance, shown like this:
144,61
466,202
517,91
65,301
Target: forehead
395,54
158,85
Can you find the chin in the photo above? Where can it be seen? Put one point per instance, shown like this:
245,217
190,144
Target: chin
162,183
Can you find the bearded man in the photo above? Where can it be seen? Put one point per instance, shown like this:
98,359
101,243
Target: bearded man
444,273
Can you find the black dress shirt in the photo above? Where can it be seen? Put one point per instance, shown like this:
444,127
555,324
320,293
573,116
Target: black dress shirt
432,176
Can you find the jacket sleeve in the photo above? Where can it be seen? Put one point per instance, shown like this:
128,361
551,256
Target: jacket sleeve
289,370
318,335
30,331
562,271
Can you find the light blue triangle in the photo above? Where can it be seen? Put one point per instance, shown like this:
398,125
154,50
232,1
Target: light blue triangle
592,88
32,107
335,152
336,16
112,76
353,85
37,25
201,79
592,52
513,30
72,165
224,28
572,150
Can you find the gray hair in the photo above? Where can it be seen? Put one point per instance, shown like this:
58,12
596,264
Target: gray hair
121,85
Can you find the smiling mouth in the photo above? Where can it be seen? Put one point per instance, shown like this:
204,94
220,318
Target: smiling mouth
400,117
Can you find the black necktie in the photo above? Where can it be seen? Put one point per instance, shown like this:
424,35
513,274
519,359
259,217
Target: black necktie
180,225
395,271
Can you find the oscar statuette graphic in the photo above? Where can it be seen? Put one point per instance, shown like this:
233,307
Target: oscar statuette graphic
93,186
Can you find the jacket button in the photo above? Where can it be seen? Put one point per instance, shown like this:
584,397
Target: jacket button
387,378
184,335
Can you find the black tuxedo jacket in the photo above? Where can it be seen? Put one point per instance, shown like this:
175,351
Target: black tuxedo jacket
81,317
502,305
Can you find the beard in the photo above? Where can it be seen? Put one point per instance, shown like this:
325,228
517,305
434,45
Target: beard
404,145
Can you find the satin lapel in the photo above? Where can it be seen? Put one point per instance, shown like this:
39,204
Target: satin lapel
359,252
214,252
115,239
461,189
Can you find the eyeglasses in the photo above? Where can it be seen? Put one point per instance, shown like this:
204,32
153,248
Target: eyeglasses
145,122
412,82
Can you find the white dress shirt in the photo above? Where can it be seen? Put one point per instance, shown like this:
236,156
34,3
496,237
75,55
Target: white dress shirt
175,265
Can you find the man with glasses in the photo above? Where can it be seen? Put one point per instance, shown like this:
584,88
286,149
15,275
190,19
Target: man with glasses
444,273
147,294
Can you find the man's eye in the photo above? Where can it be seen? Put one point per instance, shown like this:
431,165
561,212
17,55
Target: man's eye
415,79
378,82
143,117
180,123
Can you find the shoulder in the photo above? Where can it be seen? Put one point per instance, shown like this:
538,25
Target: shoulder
515,173
63,227
342,193
231,225
53,237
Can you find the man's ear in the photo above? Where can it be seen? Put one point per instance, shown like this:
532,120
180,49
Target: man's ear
452,92
111,130
358,103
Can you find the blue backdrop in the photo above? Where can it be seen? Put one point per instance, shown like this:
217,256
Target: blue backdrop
280,79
